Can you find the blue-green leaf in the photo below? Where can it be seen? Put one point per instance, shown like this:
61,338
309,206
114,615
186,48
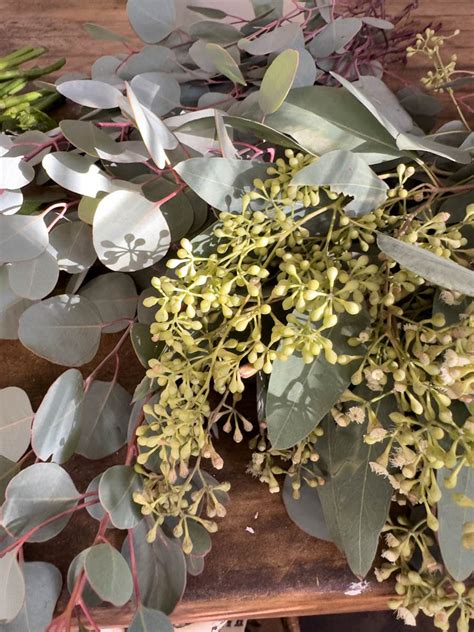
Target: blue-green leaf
277,81
108,574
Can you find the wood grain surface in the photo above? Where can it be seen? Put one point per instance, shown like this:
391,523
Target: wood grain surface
278,569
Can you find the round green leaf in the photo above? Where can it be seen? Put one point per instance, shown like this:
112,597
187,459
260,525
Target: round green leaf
306,512
10,201
78,174
87,208
12,587
104,420
16,416
278,80
57,422
43,584
148,620
177,211
115,296
158,91
36,278
143,345
215,32
194,565
146,315
334,36
129,232
22,237
152,21
64,329
8,469
116,489
108,574
72,243
11,308
15,172
76,567
38,493
285,36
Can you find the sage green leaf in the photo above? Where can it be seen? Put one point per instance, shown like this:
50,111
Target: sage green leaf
57,422
158,91
43,584
344,172
354,499
436,270
87,208
268,9
154,132
277,81
11,308
286,36
96,511
78,174
116,488
208,12
115,296
8,469
227,148
72,244
12,587
143,345
261,130
177,211
325,8
10,201
424,143
149,620
105,418
225,63
300,395
380,102
215,32
91,93
98,32
194,565
458,560
323,119
129,232
202,541
377,23
149,59
152,21
221,182
108,574
76,567
306,511
22,237
15,173
38,493
334,36
161,569
64,329
36,278
306,72
16,416
105,69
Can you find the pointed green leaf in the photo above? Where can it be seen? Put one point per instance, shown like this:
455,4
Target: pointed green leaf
98,32
57,422
91,93
108,574
105,418
64,329
344,172
334,36
354,499
458,560
277,81
16,416
38,493
425,143
116,488
300,395
283,37
214,32
225,63
427,265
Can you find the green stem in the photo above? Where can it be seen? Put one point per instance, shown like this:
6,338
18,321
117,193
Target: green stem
12,87
28,97
26,55
32,73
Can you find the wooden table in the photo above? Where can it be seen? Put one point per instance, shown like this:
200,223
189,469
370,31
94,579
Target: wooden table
278,570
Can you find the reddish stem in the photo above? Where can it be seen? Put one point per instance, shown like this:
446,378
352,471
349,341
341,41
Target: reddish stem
133,565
